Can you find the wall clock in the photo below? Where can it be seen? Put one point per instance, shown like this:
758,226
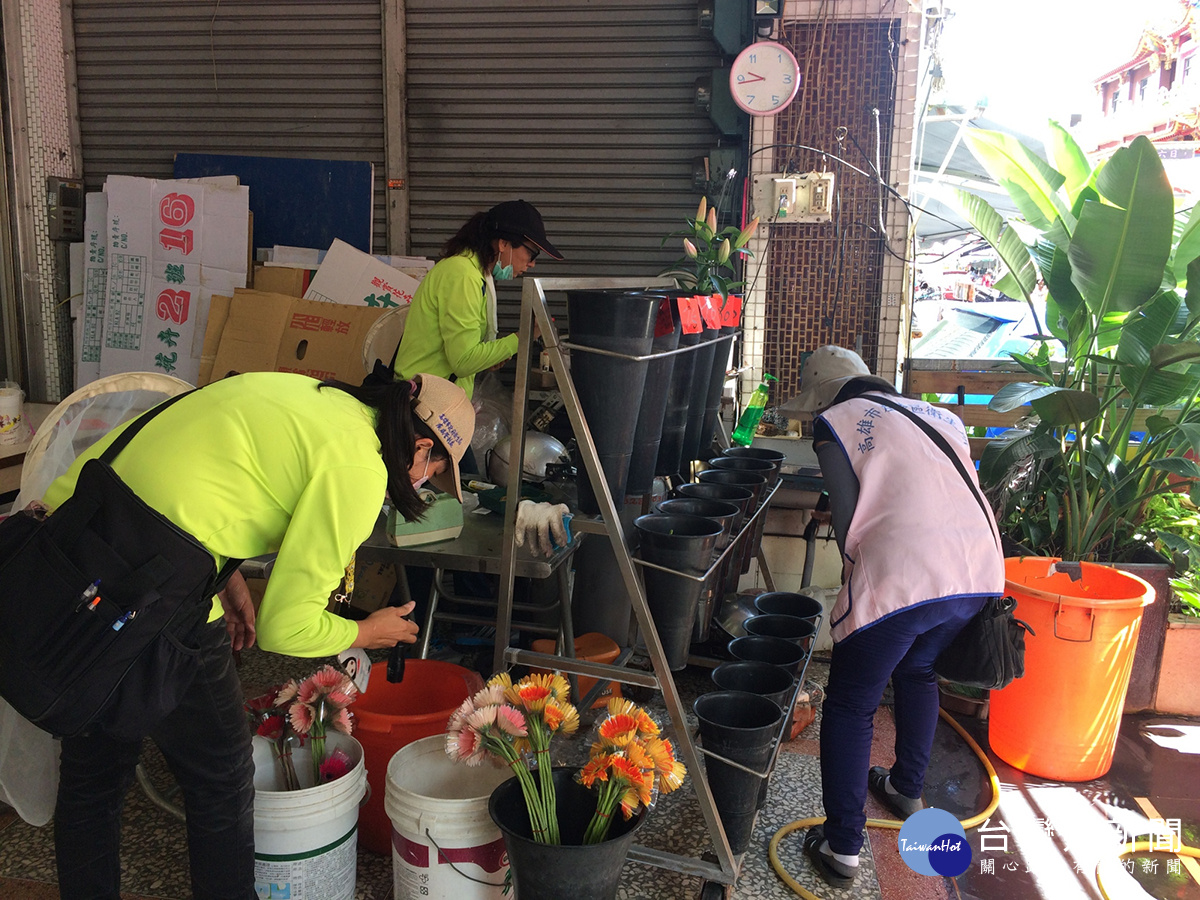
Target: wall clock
764,78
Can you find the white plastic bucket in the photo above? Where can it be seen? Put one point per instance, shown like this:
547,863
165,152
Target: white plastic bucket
306,841
444,843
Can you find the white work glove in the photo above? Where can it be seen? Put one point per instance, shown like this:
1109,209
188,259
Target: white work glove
542,525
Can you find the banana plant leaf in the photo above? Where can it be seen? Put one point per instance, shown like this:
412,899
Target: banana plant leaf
1018,394
1070,160
1066,406
1118,252
1006,242
1147,328
1177,465
1010,448
1030,181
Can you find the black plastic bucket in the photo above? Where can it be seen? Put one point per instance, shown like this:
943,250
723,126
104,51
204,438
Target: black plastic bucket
648,434
685,544
758,484
610,389
798,631
787,603
740,727
756,677
772,456
571,869
726,514
774,650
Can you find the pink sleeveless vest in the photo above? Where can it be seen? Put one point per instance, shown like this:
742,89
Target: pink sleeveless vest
917,534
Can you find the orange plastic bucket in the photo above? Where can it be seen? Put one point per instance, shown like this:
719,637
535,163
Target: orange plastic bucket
593,647
1060,721
389,716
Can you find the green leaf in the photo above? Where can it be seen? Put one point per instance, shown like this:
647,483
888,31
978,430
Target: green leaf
1066,406
1056,319
1157,425
1192,296
1056,271
1069,159
1004,240
1038,369
1194,493
1187,250
1189,432
1012,447
1163,355
1146,329
1118,252
1177,465
1018,394
1029,180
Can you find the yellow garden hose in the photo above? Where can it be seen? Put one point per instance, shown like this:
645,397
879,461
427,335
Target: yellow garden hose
773,848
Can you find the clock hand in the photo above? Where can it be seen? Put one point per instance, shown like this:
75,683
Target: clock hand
751,77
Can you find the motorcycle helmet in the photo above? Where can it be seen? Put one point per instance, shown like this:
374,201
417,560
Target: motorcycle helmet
541,450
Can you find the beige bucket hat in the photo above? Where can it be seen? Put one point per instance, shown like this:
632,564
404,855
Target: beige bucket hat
824,373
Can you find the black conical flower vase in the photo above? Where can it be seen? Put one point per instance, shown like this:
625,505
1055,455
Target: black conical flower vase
742,728
571,870
684,544
610,388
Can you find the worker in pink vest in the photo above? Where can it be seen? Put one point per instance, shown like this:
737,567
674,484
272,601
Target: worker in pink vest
920,555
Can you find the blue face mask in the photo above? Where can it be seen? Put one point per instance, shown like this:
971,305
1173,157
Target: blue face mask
503,273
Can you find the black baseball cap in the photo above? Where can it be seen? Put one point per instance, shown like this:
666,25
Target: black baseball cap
516,220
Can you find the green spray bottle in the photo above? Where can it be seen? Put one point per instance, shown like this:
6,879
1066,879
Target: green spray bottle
743,435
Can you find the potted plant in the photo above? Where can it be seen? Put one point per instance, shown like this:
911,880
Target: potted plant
1113,382
566,832
1114,379
708,253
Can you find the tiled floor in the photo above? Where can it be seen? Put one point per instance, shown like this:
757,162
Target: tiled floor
1048,850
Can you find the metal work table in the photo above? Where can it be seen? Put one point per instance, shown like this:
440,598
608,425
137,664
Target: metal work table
479,548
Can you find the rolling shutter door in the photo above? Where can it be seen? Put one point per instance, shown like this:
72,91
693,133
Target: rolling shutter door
250,77
587,110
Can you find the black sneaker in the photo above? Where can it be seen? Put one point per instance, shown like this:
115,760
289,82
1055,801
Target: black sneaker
902,806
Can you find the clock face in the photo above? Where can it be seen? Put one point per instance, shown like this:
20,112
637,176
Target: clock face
764,78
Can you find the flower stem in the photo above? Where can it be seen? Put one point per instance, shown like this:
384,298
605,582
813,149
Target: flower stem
549,802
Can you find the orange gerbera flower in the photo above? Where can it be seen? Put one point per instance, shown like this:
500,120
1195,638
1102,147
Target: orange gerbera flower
595,770
560,717
532,697
636,753
618,730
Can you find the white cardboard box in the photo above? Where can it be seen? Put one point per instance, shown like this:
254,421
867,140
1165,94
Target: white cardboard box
171,246
89,318
349,276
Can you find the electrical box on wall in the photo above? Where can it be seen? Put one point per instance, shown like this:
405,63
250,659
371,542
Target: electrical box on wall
64,202
780,197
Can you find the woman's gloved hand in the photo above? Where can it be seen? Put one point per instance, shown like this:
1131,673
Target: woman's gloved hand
543,525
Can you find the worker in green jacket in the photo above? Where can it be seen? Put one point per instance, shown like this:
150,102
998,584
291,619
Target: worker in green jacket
254,464
451,326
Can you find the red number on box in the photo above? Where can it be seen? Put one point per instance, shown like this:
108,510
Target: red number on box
173,239
176,209
173,305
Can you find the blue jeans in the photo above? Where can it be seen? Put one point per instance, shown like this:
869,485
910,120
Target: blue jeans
901,647
206,742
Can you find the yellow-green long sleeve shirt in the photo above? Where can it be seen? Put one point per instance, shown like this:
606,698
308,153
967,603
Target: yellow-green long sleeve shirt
446,327
263,463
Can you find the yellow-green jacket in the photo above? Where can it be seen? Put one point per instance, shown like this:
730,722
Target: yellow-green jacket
446,328
262,463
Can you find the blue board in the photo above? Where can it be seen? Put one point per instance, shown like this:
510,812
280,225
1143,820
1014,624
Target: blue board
297,202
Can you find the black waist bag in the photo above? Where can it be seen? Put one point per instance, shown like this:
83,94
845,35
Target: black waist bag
98,603
989,652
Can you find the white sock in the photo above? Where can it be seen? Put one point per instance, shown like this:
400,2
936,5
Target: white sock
887,786
845,860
